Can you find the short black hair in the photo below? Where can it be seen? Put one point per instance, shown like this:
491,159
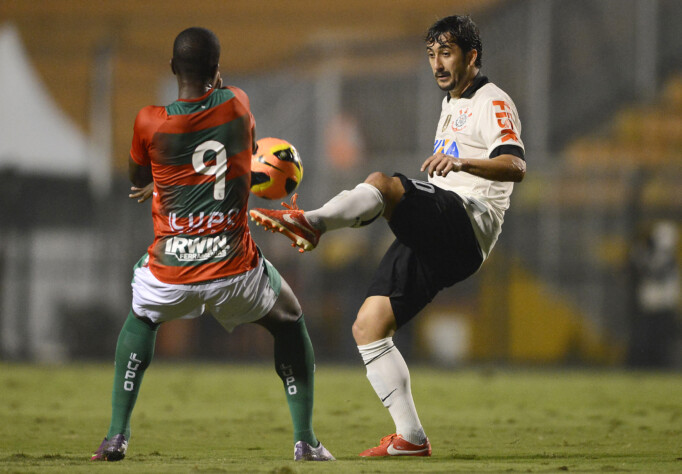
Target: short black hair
459,29
196,53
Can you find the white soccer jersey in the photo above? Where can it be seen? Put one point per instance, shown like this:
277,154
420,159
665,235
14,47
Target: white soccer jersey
472,126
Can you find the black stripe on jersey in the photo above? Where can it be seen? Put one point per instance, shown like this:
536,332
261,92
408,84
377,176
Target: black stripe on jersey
508,150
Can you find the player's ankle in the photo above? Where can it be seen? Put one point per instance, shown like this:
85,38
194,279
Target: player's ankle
416,436
316,222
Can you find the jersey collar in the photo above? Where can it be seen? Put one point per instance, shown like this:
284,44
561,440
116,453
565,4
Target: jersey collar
200,98
478,82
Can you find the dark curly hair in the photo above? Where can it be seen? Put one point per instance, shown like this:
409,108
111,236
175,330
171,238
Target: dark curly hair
459,29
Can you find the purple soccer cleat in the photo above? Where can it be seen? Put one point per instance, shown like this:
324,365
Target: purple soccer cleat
304,452
111,450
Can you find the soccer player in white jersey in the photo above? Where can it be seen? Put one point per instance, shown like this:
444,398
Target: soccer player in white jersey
445,228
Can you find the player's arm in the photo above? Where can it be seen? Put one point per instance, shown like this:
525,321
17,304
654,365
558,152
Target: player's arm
139,163
500,130
505,167
143,182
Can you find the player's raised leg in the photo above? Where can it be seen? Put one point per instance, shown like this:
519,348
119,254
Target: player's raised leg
357,207
295,365
388,374
134,352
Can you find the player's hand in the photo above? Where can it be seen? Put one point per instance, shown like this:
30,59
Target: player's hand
441,164
142,194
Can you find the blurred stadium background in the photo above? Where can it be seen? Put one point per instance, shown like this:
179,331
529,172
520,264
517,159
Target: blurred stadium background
598,84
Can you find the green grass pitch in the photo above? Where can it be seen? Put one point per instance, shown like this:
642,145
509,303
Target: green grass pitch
209,418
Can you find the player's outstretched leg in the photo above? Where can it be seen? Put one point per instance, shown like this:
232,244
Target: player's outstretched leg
355,208
134,352
290,222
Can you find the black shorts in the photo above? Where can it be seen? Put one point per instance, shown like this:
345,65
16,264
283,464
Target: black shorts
435,248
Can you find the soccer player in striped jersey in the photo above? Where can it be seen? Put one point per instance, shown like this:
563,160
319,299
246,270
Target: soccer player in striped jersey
445,228
193,158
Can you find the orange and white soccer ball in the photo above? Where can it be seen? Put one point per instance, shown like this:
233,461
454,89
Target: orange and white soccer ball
276,169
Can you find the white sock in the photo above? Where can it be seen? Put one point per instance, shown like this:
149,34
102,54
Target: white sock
355,208
390,378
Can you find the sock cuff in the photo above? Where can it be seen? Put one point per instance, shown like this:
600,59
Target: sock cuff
374,190
374,350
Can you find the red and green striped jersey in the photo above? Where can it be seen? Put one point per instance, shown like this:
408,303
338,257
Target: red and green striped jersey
200,154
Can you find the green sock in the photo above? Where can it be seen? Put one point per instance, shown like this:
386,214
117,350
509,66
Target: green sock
295,365
134,352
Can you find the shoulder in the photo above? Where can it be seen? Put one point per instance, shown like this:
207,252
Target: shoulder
240,102
147,122
490,93
149,117
238,93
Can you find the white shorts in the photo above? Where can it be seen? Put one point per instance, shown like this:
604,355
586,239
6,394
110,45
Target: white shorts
234,300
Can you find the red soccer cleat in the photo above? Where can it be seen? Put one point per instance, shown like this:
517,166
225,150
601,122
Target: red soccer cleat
290,222
395,445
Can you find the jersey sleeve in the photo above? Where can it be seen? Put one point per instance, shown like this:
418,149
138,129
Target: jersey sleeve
146,123
501,125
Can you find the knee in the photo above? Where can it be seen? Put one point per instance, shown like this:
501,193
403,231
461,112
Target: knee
369,327
379,180
358,331
391,189
285,313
